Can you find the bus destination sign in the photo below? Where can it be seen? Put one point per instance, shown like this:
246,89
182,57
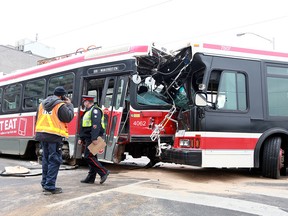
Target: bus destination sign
107,69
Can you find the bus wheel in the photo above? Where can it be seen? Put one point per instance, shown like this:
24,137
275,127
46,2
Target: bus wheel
272,161
118,155
282,158
38,152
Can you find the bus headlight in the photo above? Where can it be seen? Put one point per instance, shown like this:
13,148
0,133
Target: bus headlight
184,143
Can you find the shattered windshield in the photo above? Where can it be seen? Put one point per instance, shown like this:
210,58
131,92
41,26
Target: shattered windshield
150,94
163,76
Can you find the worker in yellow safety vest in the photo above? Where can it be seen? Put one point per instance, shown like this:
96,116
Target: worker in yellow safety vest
91,127
53,115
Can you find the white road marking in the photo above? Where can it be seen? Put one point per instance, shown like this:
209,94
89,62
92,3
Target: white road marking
65,202
187,197
279,194
206,200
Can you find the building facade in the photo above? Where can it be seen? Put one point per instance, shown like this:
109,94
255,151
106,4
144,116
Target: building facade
12,59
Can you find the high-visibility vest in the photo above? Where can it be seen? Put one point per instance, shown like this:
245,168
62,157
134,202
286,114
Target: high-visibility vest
48,122
87,120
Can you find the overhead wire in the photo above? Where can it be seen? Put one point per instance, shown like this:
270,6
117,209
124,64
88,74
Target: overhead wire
148,7
102,21
230,29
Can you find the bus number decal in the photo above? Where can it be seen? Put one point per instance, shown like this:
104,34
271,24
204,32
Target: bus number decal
139,123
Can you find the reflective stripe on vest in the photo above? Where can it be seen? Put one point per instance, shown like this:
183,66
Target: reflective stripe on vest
87,120
48,122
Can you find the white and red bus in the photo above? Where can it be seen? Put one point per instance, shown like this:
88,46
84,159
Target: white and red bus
237,114
202,105
126,82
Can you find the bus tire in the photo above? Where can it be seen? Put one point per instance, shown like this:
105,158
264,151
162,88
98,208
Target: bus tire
271,160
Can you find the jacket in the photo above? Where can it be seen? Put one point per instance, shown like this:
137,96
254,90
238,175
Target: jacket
96,129
65,114
49,122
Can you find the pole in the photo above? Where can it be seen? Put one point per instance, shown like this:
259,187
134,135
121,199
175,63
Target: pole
272,41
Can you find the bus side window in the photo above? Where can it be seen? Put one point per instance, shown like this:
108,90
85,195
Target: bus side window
227,90
12,97
30,103
33,92
66,80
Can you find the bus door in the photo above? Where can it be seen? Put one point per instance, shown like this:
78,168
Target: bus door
112,104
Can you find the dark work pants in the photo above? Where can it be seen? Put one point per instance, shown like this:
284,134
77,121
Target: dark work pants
94,165
51,161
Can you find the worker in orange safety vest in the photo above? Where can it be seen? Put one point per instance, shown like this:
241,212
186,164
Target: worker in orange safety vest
51,128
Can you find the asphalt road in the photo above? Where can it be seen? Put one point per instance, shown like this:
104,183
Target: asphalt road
131,189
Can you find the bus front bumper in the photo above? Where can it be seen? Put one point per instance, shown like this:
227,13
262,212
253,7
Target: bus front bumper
182,156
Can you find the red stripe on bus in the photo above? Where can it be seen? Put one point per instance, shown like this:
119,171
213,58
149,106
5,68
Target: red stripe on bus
245,50
220,142
139,49
228,143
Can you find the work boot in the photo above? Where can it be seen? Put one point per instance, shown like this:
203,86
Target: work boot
55,191
103,178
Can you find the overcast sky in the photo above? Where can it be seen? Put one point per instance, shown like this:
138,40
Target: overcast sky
68,25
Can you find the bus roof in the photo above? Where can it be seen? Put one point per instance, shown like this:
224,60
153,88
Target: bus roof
124,52
240,52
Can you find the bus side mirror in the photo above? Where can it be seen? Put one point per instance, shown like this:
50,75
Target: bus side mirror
201,99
